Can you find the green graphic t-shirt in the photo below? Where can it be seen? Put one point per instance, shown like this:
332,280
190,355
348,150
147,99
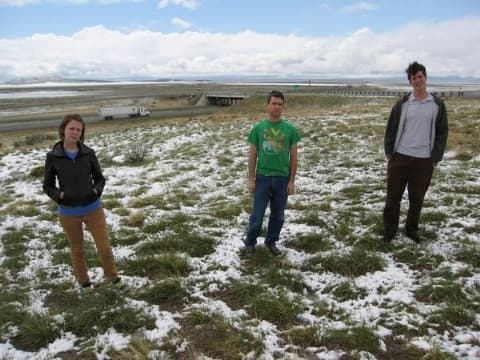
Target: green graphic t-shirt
273,141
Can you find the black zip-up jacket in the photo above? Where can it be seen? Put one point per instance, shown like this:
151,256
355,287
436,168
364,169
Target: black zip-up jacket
81,180
396,124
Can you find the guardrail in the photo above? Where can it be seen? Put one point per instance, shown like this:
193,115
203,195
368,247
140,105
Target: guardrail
395,93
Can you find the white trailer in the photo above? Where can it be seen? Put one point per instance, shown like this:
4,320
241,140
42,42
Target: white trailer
110,112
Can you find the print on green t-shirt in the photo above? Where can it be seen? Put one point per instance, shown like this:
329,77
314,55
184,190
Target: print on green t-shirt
273,141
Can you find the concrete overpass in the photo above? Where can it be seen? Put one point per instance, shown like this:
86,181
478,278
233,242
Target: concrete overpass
224,99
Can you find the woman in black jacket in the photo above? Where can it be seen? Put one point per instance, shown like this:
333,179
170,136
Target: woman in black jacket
74,180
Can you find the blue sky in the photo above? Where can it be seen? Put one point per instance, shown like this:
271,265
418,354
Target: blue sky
190,35
19,18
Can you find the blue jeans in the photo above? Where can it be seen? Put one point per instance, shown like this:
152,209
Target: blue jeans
273,190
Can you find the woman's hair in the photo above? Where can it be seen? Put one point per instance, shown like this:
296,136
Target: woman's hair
64,123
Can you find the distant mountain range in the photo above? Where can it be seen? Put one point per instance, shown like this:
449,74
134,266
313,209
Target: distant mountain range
249,79
47,79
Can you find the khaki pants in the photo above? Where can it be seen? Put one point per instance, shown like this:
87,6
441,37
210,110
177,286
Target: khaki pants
97,226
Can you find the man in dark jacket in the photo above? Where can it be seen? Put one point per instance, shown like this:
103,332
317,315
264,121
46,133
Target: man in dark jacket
415,140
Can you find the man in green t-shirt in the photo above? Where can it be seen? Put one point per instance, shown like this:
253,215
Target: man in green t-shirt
272,166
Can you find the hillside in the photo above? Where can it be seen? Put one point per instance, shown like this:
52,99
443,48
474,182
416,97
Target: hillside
177,207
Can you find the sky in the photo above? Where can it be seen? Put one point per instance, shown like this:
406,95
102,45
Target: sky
130,39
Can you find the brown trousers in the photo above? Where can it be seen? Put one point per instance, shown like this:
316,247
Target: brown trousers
415,173
96,224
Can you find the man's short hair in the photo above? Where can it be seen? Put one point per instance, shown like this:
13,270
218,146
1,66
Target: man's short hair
277,94
415,67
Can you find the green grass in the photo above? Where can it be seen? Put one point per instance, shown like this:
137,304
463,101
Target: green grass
125,237
179,248
143,202
398,348
213,336
37,139
355,192
311,218
357,263
34,332
261,304
111,204
261,259
61,257
24,208
329,311
12,303
279,309
441,291
103,309
187,242
286,279
37,172
434,217
226,210
14,246
451,317
469,254
303,337
169,294
353,339
417,259
156,267
177,222
309,243
139,348
345,291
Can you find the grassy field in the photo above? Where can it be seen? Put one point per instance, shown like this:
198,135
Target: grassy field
177,207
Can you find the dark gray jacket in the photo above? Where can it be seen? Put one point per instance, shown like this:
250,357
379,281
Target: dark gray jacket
396,124
77,178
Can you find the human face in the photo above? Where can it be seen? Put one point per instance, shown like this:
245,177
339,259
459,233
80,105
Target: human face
275,108
418,82
73,132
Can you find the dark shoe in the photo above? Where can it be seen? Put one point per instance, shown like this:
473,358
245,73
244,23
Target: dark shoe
414,237
87,286
274,249
119,284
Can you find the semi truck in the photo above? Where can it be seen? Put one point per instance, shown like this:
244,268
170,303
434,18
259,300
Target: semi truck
111,112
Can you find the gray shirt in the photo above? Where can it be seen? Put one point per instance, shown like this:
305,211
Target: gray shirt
416,135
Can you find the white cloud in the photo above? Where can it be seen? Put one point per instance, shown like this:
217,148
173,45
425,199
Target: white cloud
360,6
97,52
188,4
181,23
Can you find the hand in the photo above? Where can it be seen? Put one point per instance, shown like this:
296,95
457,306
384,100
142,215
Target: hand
251,186
61,196
291,188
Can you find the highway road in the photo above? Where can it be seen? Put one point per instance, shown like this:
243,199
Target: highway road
157,114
